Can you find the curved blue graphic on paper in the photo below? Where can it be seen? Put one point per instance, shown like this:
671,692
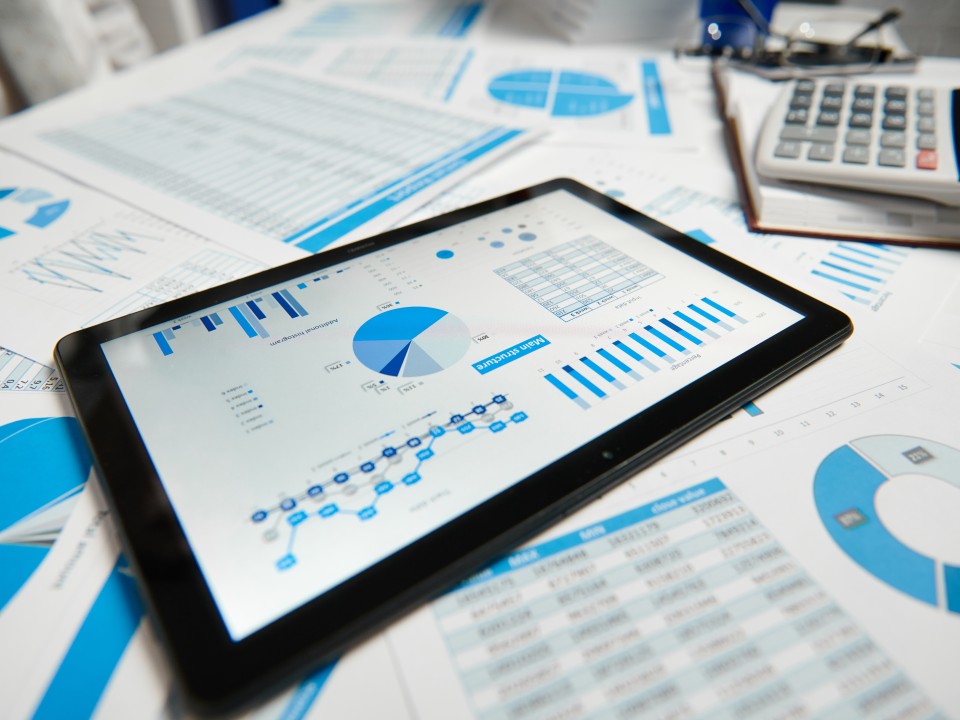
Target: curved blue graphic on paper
28,206
411,341
845,488
562,93
44,465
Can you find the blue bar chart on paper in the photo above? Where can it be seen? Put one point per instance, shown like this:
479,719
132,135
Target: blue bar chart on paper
657,344
859,271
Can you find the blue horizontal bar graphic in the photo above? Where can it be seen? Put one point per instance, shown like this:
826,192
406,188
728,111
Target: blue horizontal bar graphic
560,386
208,323
842,281
856,298
679,330
605,354
293,303
703,313
257,312
861,263
717,306
752,409
583,381
649,346
657,334
859,274
629,351
242,321
284,304
458,76
597,369
216,319
657,117
88,665
162,342
689,320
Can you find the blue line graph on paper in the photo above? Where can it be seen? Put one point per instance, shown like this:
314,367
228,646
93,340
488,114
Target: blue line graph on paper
358,491
577,277
654,344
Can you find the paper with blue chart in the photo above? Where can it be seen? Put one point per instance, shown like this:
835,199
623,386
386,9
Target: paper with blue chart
591,95
253,155
723,581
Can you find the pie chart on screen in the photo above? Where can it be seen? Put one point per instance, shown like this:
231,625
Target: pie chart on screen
410,342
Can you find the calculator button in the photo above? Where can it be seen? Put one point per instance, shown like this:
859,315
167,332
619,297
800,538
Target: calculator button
893,140
892,157
833,90
857,137
926,107
927,160
863,104
796,117
788,149
894,122
831,102
926,94
800,101
861,120
926,141
816,134
896,92
865,91
856,154
895,107
807,86
828,118
926,124
821,151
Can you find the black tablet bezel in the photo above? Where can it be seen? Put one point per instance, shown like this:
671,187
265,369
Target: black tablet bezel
217,673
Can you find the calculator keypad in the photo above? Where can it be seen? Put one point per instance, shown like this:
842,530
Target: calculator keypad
860,124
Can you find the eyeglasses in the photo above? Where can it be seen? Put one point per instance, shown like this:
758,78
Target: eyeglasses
818,46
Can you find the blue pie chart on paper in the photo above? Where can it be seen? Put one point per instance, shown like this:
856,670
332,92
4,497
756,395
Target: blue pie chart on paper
28,206
845,491
410,342
562,93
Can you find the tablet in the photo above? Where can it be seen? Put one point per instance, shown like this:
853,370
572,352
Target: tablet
297,457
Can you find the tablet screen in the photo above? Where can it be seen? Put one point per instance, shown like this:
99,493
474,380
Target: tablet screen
307,431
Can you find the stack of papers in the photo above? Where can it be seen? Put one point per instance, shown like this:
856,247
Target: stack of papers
799,558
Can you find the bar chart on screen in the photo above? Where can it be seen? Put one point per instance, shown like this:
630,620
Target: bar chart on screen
646,346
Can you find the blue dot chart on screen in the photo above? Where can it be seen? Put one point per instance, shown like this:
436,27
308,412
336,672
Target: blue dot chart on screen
411,341
21,207
848,490
562,93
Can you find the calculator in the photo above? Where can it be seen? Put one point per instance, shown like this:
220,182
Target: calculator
871,135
